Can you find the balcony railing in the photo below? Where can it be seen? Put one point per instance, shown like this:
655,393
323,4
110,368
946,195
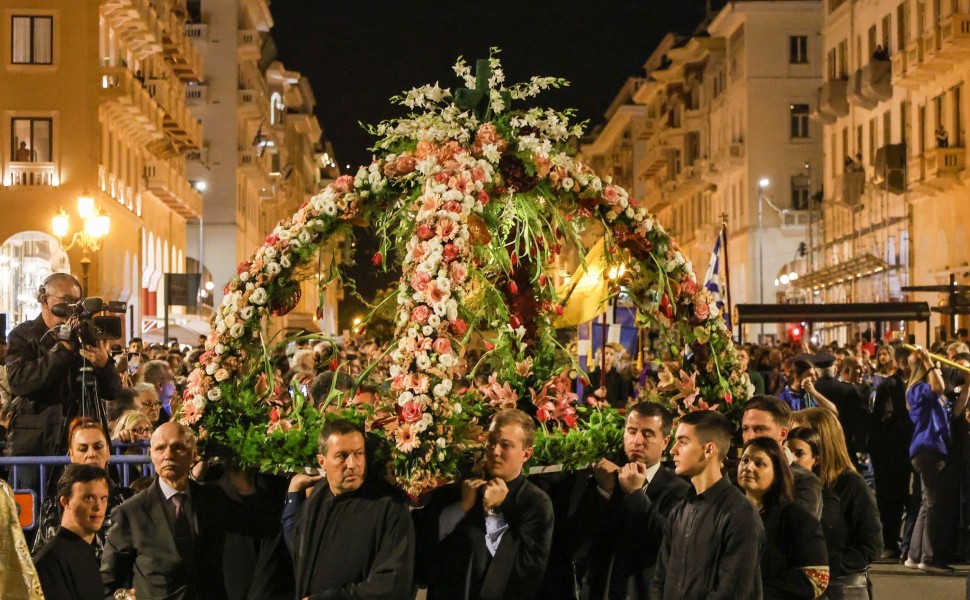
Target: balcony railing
249,44
941,162
117,188
179,122
31,174
196,95
136,23
197,32
248,102
795,219
172,189
184,59
832,99
125,98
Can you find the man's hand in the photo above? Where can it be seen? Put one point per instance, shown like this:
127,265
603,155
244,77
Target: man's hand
469,492
632,477
495,492
302,481
97,355
605,473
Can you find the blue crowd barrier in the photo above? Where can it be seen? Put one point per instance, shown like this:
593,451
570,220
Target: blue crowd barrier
125,461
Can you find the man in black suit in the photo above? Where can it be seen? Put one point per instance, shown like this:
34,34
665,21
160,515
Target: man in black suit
167,541
622,513
66,565
768,416
495,541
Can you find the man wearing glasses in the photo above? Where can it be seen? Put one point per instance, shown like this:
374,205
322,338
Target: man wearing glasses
43,370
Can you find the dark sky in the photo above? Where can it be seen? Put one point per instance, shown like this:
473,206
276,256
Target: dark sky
359,53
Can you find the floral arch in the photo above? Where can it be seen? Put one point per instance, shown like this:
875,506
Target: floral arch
476,200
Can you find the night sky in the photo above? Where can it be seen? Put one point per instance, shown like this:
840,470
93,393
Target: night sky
359,53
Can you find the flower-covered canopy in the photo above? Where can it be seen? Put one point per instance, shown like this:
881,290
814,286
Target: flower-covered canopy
476,200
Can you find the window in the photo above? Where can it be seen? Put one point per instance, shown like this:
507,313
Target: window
31,140
832,63
799,192
798,49
799,121
32,40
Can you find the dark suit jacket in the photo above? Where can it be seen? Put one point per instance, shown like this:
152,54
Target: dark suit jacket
515,572
141,552
625,534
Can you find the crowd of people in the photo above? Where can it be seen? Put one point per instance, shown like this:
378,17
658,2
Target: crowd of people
694,507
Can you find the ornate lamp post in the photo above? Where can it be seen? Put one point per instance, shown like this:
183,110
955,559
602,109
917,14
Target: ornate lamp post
95,227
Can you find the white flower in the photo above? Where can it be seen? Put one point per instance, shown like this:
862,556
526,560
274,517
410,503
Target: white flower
247,313
214,394
211,368
237,330
629,213
304,236
221,328
199,401
424,363
244,276
222,374
285,261
441,442
273,269
219,348
441,390
434,321
446,360
457,408
259,296
427,419
329,209
404,398
568,183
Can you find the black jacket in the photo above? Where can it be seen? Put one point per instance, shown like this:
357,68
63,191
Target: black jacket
358,545
850,521
515,572
793,542
43,378
141,551
625,532
68,569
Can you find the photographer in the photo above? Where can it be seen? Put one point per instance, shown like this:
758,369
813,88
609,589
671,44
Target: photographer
43,371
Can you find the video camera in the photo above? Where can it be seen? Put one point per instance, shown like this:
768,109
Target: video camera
91,325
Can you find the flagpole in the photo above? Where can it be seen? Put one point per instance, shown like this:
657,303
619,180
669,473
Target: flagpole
727,269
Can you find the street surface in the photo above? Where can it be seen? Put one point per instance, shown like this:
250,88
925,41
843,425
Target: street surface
896,582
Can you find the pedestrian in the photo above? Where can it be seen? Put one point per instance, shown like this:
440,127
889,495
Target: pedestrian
929,450
850,520
18,577
794,564
713,540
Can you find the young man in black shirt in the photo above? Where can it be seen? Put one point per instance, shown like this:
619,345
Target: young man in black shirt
67,566
713,541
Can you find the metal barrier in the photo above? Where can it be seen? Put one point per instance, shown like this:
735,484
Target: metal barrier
43,463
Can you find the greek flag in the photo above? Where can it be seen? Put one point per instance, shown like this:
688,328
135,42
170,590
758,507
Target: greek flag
713,280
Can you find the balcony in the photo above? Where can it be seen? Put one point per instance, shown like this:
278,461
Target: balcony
918,70
247,101
136,24
197,32
654,159
125,100
183,58
200,155
196,95
943,162
832,98
899,67
253,165
795,219
955,34
119,189
179,123
249,44
31,175
849,187
871,84
172,189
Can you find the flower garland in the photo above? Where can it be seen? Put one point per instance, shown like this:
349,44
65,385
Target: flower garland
477,200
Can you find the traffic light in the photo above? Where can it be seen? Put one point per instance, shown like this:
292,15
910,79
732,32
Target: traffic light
794,331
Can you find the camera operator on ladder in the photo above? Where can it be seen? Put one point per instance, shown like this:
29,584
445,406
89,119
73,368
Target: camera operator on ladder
44,361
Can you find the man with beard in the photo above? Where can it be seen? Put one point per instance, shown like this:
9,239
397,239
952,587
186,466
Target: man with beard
623,510
495,541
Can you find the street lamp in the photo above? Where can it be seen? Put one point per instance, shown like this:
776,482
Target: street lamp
763,184
95,227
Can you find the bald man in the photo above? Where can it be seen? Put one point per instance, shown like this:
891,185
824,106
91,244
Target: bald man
168,541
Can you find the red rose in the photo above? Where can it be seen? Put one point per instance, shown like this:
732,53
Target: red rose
728,398
622,411
515,321
458,326
271,239
513,288
543,415
378,259
559,310
569,420
688,287
514,259
242,268
489,346
453,206
411,412
483,197
441,177
543,279
425,231
274,414
334,364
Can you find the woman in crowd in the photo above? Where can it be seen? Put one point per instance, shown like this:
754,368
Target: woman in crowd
133,426
929,452
88,445
803,443
850,520
794,564
147,401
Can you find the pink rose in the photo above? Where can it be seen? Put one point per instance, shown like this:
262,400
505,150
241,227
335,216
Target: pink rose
453,206
411,412
442,346
450,252
458,326
420,280
688,288
441,177
458,272
420,314
478,174
701,310
343,184
611,195
483,197
424,231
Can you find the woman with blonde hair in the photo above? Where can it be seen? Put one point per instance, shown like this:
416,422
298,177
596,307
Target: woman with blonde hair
929,454
133,426
850,520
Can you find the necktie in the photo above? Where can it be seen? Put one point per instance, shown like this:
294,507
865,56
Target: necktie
181,530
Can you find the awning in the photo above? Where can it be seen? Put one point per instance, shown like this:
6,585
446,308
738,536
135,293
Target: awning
854,268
